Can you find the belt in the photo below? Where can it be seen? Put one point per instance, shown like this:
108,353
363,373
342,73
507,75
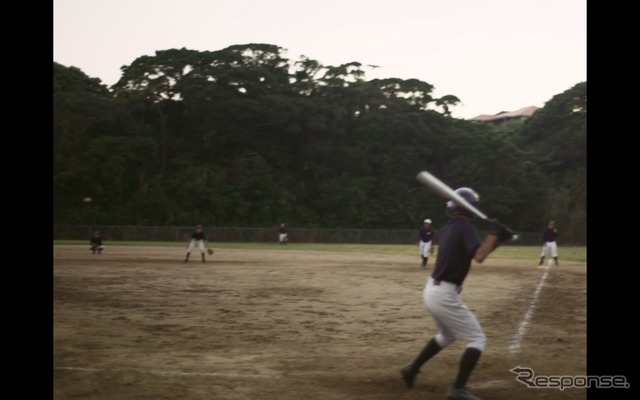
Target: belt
439,282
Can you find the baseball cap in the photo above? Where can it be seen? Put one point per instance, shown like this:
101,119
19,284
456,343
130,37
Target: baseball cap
427,221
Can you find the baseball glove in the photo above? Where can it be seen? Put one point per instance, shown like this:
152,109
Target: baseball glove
432,250
210,251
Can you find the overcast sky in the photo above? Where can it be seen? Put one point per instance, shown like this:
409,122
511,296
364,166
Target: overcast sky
495,55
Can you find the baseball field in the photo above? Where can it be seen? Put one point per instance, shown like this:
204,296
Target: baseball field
303,322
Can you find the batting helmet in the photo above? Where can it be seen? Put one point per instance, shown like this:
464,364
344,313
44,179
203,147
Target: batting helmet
469,195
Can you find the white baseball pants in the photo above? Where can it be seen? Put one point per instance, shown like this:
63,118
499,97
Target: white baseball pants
193,243
424,248
549,247
453,318
282,237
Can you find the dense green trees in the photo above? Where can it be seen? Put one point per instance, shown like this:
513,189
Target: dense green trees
246,137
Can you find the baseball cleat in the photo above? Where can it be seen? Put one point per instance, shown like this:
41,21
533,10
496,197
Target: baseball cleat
409,375
460,394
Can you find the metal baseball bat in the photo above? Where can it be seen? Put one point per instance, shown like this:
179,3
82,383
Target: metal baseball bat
445,191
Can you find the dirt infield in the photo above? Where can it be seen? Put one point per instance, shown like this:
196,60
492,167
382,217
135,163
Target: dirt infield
137,323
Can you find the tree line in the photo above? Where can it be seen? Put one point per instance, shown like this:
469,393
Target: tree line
245,136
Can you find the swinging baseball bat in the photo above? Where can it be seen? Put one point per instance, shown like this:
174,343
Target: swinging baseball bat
445,191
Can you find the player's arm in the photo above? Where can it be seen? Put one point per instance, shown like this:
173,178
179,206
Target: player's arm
499,233
489,244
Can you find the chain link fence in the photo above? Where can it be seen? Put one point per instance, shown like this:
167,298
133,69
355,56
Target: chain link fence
260,235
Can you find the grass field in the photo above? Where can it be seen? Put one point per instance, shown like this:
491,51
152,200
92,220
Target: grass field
574,253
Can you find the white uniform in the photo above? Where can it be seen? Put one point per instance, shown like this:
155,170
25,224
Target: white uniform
452,316
425,241
425,247
549,247
196,242
457,247
198,239
96,244
282,234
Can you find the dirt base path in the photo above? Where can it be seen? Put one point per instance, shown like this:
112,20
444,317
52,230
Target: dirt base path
137,323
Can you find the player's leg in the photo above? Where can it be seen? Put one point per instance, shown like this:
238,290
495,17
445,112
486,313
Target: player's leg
425,254
192,244
455,320
422,255
202,249
412,369
442,339
93,249
543,254
434,302
464,325
554,251
100,248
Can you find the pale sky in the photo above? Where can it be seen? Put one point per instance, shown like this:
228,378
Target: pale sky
495,55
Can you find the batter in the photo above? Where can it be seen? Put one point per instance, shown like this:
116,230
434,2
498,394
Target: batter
458,245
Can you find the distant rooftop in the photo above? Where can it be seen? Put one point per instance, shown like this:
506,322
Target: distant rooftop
504,115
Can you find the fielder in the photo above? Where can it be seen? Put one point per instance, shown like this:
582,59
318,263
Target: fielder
459,244
425,241
282,234
96,243
549,246
198,238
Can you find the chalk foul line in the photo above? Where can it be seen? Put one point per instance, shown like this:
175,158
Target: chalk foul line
516,341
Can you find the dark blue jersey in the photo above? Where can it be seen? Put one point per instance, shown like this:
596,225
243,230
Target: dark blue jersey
425,234
457,244
97,241
198,236
549,235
